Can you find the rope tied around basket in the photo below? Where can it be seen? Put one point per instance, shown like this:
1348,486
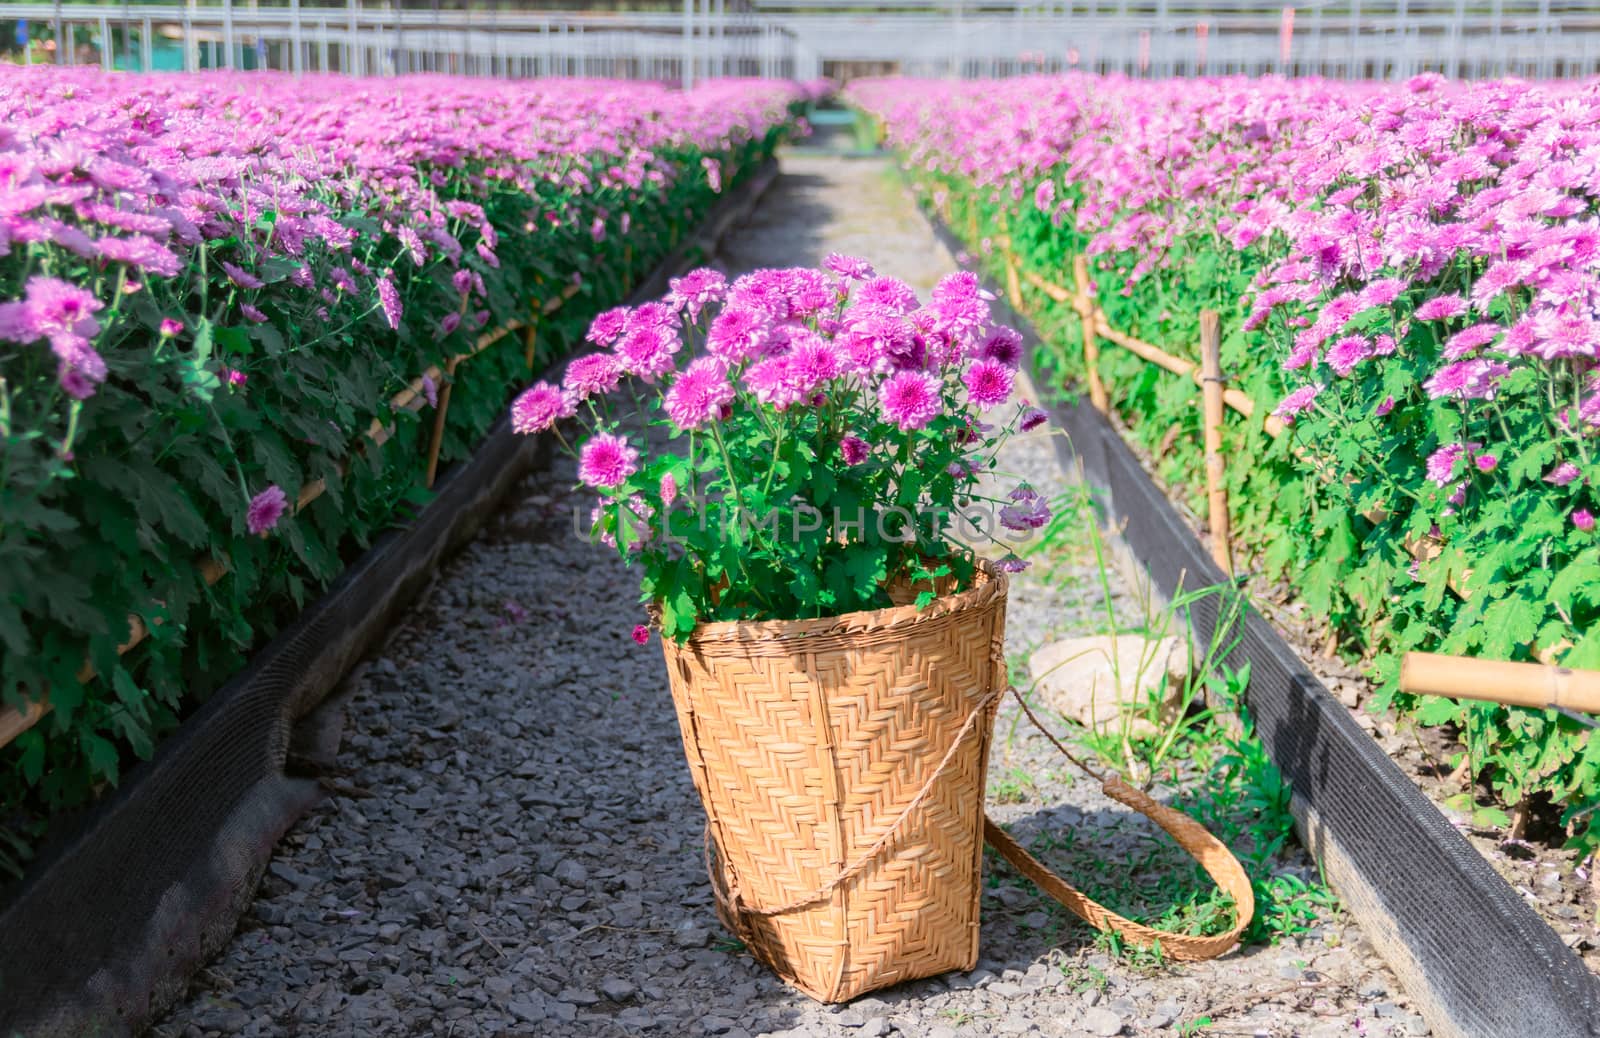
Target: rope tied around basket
1211,854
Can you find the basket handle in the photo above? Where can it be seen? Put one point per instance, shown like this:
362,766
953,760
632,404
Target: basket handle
1212,854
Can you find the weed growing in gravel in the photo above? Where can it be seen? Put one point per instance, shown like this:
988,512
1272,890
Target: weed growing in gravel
1016,786
1204,747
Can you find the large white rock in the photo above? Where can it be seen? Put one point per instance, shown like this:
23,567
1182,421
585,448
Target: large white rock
1092,680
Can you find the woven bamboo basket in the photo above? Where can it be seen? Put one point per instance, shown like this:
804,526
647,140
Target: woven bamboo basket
841,763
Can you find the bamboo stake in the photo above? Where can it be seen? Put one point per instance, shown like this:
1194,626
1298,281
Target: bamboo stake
1013,287
1087,311
438,422
530,339
1216,477
1513,684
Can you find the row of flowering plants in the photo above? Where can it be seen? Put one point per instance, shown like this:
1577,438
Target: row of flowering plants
1408,276
211,286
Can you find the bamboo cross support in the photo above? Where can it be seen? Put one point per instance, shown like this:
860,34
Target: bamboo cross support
1216,476
1533,685
1088,313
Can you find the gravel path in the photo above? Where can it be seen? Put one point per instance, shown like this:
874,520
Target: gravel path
530,862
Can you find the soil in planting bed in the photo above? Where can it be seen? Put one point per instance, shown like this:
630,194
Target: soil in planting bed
517,848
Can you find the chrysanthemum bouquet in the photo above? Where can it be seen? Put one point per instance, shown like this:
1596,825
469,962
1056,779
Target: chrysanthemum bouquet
830,438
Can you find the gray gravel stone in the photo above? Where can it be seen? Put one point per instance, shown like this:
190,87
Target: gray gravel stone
1102,1022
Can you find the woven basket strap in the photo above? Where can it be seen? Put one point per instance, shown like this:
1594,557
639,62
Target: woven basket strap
1210,852
732,901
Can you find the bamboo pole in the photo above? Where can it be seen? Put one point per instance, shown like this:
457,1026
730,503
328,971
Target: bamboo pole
437,440
1055,292
1532,685
1087,311
530,340
1013,288
1216,476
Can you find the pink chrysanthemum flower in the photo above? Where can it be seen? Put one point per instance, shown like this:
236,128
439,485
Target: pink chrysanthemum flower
1347,353
59,310
697,289
1032,418
1011,564
1468,379
1583,519
851,268
654,314
605,328
669,489
988,383
1028,510
737,335
853,449
593,375
1298,402
1002,344
1442,462
606,461
769,381
170,327
1468,339
697,396
647,351
879,341
539,407
241,277
266,508
1562,474
1441,308
910,399
389,299
888,293
813,361
961,285
641,634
